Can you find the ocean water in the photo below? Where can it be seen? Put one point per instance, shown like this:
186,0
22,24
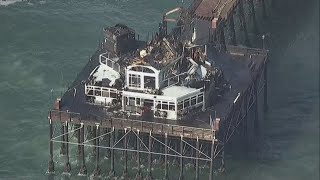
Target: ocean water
44,44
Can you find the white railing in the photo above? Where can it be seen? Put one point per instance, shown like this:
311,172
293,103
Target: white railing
175,79
100,91
109,62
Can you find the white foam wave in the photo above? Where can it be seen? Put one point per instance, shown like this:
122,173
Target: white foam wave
8,2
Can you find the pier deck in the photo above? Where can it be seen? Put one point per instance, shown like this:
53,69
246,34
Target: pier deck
236,71
209,9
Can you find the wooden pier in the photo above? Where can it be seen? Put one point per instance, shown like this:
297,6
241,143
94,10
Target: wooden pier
235,112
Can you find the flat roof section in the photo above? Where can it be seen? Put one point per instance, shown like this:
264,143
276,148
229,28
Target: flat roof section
177,91
105,72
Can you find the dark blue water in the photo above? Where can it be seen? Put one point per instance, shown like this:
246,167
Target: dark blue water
44,44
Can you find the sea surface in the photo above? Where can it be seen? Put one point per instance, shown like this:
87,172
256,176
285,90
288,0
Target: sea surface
44,44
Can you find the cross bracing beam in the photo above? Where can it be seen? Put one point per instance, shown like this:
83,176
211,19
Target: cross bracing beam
171,152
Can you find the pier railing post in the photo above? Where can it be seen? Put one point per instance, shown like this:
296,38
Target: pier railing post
67,167
50,163
83,169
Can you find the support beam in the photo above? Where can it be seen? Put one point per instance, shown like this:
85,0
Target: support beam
79,140
94,143
67,167
112,134
50,163
264,11
63,146
166,173
232,31
253,16
243,24
125,155
83,169
108,154
212,160
96,172
139,174
223,165
222,40
265,91
197,160
256,107
181,177
149,176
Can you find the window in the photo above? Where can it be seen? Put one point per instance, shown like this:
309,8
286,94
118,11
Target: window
172,106
165,105
131,101
109,63
113,93
105,92
97,92
180,105
134,80
138,102
200,98
186,103
158,104
147,70
149,82
193,100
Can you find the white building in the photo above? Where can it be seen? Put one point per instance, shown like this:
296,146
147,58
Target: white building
161,80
